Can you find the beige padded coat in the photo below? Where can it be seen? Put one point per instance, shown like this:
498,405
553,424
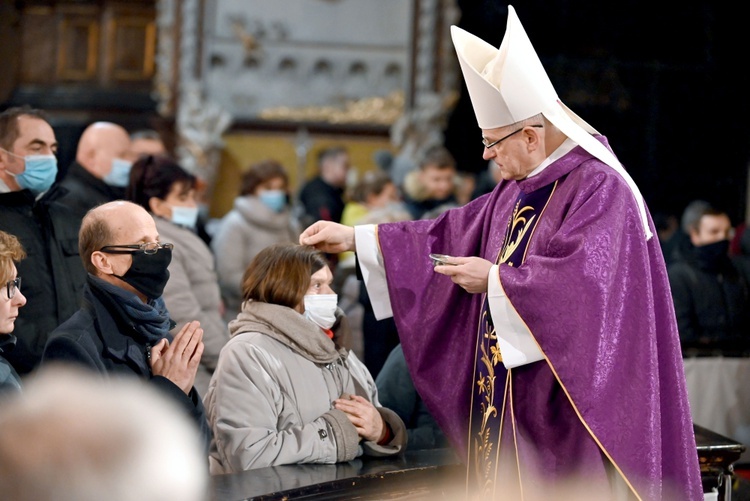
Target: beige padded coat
270,400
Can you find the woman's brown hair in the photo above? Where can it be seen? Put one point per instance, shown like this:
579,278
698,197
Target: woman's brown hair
280,274
259,173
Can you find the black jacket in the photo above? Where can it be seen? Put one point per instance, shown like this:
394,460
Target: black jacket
85,191
321,201
52,273
712,307
101,337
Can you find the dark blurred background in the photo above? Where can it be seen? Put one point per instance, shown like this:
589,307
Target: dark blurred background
664,81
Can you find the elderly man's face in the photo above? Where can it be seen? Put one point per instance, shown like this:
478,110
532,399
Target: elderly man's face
509,152
130,225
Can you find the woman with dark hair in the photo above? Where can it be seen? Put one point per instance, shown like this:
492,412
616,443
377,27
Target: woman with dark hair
260,217
167,192
285,390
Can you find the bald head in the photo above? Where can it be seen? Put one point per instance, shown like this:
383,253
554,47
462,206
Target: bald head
113,223
100,143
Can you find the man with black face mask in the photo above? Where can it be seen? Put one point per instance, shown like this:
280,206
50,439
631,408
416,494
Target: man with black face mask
711,296
123,326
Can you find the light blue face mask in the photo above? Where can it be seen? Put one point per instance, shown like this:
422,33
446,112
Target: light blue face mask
39,172
273,199
119,175
184,216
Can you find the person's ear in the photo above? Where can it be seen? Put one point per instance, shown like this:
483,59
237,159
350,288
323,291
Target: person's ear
532,135
101,262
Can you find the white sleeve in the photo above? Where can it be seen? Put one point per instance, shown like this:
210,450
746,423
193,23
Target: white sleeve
373,271
516,343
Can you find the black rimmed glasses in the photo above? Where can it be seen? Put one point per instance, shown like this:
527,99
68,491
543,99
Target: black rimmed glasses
11,286
493,143
147,248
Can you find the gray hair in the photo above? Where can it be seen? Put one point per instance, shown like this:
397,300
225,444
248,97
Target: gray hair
692,215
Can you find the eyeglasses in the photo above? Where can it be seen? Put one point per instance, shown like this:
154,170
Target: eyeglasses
11,286
493,143
147,248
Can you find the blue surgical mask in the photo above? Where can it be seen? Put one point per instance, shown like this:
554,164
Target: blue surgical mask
273,199
119,175
185,216
39,172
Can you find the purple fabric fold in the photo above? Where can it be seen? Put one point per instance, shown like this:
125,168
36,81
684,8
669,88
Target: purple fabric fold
594,294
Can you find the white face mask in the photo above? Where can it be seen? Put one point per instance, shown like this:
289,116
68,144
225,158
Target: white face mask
185,216
321,309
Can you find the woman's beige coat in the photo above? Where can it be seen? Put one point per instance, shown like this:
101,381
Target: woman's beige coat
270,399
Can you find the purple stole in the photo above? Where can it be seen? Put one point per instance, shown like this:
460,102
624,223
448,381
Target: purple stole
489,397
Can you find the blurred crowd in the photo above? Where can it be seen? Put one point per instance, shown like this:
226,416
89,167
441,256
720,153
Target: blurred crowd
115,267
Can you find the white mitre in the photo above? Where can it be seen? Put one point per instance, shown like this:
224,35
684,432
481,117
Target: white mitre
509,84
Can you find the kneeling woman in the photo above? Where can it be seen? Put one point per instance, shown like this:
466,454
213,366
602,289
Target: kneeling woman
285,390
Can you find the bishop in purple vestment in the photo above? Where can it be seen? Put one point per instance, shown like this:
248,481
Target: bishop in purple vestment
548,350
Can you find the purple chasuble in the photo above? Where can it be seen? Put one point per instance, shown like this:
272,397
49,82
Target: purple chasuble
610,394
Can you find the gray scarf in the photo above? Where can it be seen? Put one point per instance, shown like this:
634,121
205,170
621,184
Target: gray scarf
287,326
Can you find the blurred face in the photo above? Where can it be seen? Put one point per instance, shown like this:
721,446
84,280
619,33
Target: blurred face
9,306
273,184
180,195
711,229
385,197
438,181
335,170
107,143
35,137
142,147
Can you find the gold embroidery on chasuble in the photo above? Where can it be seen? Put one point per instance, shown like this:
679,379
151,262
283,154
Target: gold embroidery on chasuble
491,378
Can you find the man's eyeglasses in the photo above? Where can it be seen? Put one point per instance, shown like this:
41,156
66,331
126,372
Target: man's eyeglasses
147,248
11,286
493,143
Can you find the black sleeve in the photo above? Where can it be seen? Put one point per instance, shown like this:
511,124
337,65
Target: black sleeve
684,309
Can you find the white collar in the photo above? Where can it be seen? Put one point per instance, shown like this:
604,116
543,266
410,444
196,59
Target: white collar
560,152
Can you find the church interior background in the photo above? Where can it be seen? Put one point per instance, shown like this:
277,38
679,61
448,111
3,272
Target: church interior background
231,82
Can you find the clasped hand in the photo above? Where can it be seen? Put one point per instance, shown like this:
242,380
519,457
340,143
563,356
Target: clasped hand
363,415
179,360
470,273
